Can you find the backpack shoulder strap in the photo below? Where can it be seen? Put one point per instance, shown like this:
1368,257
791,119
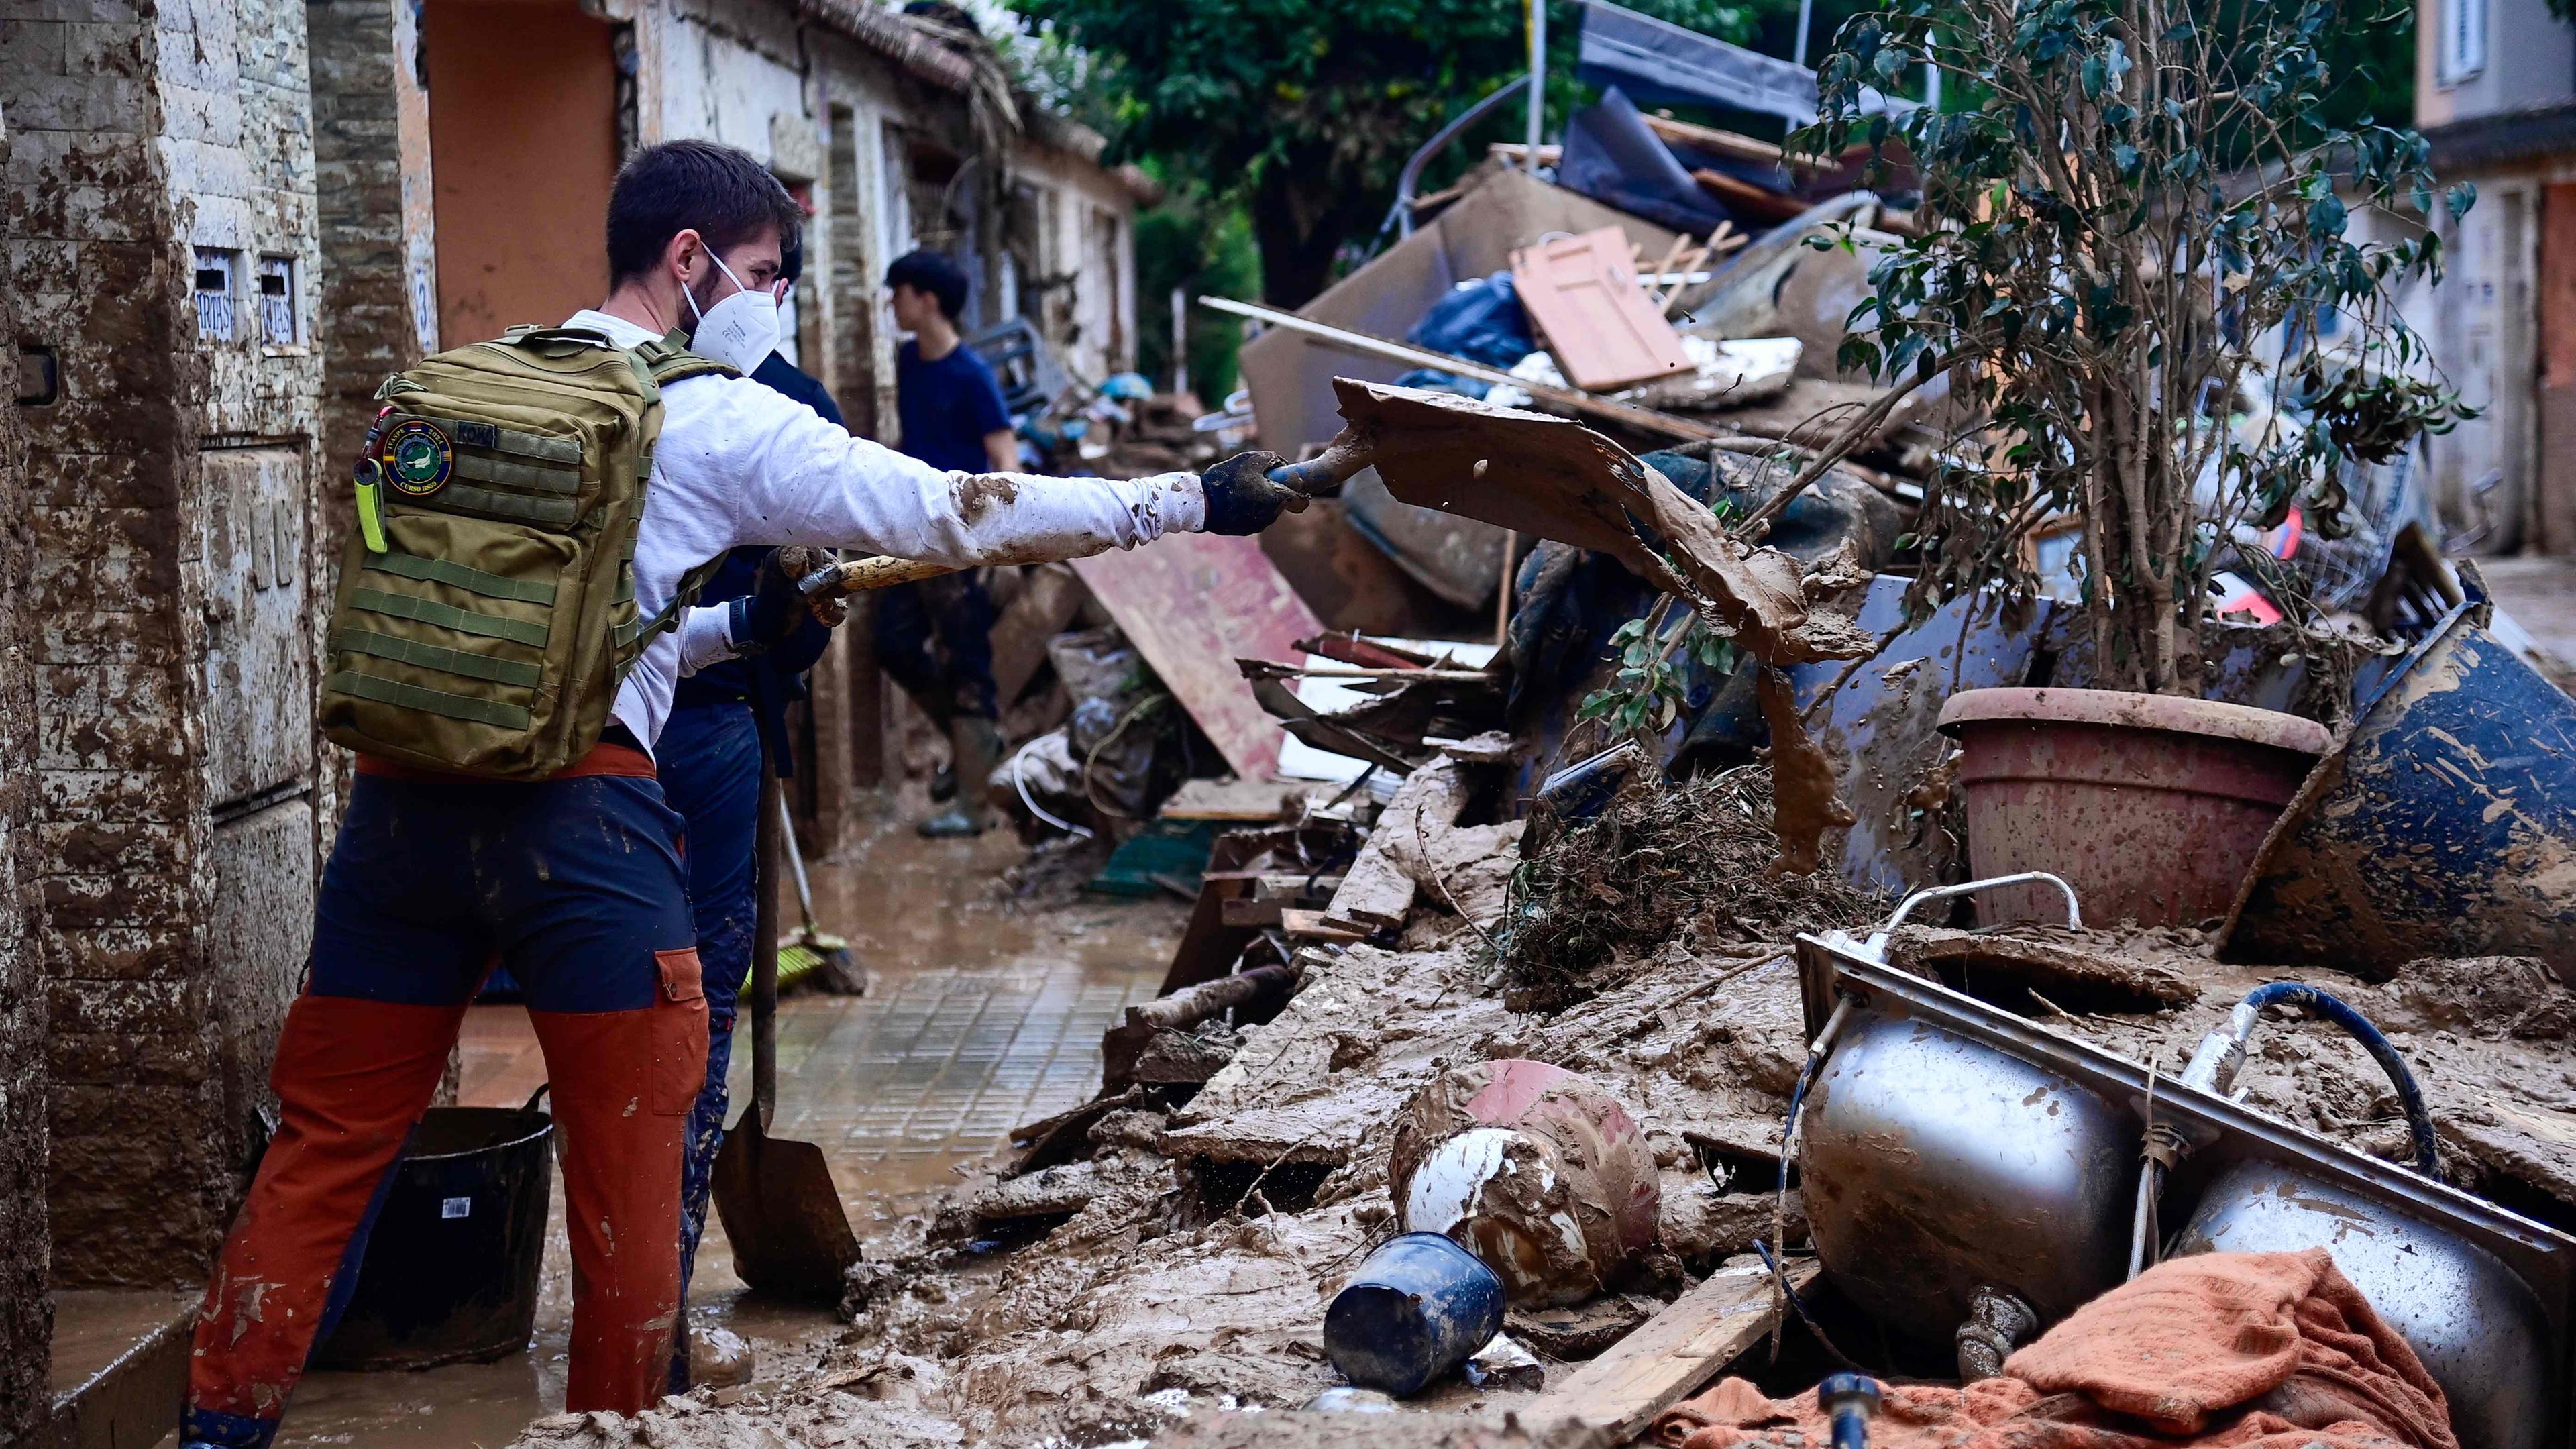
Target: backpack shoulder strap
669,360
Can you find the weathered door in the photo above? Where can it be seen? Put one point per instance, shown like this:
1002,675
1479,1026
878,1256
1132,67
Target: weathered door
1582,294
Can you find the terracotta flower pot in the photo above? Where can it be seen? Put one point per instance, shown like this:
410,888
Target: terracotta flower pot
2152,807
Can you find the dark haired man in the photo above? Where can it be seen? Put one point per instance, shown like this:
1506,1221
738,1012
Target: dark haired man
936,638
726,720
576,881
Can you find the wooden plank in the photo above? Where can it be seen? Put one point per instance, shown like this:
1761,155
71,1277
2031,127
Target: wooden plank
1193,603
1312,926
1378,889
1582,293
1046,603
1236,801
1644,420
1673,1354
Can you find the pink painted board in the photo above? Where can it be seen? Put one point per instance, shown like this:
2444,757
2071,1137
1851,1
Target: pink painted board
1582,291
1193,603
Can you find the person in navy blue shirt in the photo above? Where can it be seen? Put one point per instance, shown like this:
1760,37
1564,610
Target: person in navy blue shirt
724,720
935,637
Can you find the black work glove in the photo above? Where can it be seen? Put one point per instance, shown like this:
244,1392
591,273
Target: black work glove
1241,498
797,560
768,614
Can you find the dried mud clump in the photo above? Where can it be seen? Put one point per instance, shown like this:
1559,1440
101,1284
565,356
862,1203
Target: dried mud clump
1685,867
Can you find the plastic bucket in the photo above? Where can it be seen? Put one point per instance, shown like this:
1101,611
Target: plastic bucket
1419,1307
451,1266
2445,825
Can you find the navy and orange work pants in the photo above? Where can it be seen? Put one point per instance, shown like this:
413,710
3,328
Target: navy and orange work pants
577,884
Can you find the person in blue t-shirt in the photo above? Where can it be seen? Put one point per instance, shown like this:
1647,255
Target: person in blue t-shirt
935,637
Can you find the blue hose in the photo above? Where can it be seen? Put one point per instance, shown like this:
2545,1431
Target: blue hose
2419,1122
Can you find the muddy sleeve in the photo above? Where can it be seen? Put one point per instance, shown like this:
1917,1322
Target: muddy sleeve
805,481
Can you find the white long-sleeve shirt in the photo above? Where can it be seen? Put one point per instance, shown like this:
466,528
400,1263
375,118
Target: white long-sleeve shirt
740,464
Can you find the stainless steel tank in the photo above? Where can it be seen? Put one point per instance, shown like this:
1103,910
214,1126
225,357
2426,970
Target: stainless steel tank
1931,1166
2478,1327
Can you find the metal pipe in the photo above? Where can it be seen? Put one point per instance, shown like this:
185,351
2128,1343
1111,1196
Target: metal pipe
1876,945
1407,181
1538,80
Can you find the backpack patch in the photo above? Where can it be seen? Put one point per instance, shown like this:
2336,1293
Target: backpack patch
417,457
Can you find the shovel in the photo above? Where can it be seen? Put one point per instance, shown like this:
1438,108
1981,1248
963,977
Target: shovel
790,1236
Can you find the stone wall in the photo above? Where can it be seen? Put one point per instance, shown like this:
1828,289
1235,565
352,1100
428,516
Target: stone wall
26,1319
162,147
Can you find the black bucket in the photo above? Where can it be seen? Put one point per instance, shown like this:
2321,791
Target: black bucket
451,1269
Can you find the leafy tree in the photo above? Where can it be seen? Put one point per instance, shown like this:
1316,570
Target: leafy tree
1311,106
1200,242
2145,288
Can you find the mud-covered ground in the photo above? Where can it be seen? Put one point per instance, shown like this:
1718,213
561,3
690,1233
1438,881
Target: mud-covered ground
1204,1243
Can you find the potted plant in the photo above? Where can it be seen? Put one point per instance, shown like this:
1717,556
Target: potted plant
2159,284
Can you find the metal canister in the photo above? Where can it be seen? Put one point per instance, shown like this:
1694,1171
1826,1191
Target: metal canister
1932,1166
2477,1326
1416,1309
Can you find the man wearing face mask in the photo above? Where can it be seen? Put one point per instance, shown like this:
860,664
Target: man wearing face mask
726,720
574,877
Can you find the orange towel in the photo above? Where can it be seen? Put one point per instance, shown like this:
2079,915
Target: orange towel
2228,1350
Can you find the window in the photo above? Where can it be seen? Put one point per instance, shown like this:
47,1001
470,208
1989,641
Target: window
215,268
277,300
2464,40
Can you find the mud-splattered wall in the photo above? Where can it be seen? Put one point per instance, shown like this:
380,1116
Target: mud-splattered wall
26,1320
160,228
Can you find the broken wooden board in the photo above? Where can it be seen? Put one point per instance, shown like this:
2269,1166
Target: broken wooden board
1046,603
1237,802
1192,603
1561,480
2071,971
1377,890
1672,1354
1304,925
1581,292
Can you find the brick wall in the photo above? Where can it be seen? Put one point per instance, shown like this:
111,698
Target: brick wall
26,1320
371,149
146,132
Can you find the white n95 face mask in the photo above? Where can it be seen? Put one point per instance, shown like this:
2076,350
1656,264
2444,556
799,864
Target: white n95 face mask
740,331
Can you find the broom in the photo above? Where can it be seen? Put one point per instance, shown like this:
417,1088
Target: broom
810,952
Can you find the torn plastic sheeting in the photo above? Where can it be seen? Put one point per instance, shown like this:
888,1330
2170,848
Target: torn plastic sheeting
1611,157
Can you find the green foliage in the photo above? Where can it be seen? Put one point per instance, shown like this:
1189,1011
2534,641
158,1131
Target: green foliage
2146,281
1645,696
1311,106
1200,242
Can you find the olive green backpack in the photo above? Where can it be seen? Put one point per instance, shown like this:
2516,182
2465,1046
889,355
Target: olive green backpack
487,606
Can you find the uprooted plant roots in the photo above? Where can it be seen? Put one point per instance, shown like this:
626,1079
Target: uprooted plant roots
1682,867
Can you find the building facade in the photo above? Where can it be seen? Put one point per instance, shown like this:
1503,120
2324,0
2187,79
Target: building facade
2495,94
225,222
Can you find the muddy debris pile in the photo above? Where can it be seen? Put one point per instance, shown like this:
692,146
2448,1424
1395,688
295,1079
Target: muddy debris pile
1686,868
1163,1260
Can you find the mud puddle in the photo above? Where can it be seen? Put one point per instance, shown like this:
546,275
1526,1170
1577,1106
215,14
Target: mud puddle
984,1014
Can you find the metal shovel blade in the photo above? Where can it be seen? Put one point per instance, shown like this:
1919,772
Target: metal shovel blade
790,1236
781,1213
